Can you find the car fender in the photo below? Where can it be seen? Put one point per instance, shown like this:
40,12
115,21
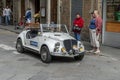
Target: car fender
50,43
22,37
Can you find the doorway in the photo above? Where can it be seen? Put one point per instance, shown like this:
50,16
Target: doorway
54,11
37,6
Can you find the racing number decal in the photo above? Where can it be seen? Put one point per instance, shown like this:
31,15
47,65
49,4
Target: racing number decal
33,43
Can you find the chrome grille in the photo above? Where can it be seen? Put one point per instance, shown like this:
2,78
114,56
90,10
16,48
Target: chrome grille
69,44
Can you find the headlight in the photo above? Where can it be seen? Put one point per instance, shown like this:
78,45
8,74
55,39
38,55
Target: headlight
57,45
80,44
81,49
63,50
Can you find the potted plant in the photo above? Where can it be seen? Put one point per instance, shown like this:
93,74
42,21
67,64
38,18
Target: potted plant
117,13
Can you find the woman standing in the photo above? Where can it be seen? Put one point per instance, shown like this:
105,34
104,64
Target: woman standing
77,26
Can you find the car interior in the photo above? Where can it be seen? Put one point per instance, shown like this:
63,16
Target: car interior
32,33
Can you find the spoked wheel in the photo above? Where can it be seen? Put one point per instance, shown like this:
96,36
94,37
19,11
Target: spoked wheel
19,46
45,55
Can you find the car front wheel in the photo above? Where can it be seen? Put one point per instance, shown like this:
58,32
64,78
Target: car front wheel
19,46
45,54
80,57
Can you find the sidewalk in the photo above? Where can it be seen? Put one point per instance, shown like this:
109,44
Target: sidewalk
115,52
11,28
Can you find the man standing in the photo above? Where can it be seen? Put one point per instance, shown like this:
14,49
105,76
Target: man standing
98,24
7,15
28,15
4,13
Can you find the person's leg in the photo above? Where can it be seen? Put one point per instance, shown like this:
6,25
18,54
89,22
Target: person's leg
78,36
93,36
75,35
9,19
3,20
6,20
97,44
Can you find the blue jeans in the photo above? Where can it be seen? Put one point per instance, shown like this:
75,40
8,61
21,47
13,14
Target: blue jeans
7,19
77,36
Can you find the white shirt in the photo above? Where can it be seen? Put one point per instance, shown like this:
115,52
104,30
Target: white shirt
4,12
7,11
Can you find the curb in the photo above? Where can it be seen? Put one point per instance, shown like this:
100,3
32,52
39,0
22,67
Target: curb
10,30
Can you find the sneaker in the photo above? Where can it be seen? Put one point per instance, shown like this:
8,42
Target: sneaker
91,51
97,52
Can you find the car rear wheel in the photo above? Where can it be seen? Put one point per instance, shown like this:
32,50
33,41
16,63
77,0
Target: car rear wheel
45,55
80,57
19,46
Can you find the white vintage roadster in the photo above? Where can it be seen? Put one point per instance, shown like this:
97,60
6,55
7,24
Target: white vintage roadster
50,40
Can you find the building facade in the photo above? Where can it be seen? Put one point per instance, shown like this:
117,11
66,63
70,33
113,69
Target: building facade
57,11
111,23
63,11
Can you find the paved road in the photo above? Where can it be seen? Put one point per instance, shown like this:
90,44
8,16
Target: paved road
28,66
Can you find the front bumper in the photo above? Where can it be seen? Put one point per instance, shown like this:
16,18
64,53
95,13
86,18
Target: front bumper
67,54
71,52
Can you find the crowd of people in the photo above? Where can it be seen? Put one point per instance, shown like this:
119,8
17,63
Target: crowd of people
7,14
95,29
6,17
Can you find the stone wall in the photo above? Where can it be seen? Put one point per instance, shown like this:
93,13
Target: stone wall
65,12
87,7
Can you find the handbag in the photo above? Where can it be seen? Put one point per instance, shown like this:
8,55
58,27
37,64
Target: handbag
76,28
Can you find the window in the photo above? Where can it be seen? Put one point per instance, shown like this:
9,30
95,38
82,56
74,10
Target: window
113,16
113,10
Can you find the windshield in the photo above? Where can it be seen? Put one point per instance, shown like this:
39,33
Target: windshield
54,28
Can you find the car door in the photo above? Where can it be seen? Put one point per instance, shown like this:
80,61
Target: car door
32,40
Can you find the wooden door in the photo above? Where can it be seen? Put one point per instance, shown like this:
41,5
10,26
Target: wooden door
54,11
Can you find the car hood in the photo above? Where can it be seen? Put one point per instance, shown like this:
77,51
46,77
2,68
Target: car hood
58,36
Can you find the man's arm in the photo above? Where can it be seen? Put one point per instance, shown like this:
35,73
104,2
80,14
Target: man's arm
98,24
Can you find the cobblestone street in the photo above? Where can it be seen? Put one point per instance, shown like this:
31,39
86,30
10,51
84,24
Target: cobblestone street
28,66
